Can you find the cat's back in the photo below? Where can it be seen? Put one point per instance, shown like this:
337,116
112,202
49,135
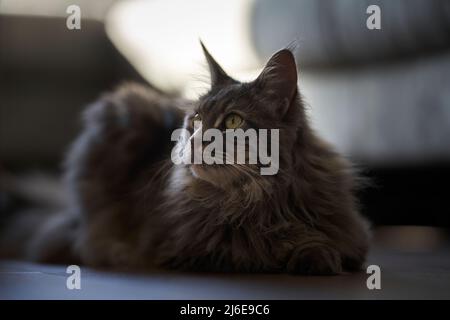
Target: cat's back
125,133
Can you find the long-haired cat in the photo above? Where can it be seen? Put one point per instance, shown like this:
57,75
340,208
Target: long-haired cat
131,208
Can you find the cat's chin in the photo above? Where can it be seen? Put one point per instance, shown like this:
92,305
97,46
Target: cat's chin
216,175
204,172
239,186
197,170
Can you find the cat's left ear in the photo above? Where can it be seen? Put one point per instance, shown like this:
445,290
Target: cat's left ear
218,76
279,78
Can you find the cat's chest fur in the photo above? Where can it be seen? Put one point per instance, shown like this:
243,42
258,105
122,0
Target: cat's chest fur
212,229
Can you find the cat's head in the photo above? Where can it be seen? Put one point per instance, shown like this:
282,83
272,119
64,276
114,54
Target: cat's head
269,102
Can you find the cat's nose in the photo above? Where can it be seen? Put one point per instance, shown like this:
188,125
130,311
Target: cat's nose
197,133
196,143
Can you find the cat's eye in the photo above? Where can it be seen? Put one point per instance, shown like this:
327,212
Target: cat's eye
233,121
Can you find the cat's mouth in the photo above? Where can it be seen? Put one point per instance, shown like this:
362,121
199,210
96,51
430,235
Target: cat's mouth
242,179
214,174
220,175
203,171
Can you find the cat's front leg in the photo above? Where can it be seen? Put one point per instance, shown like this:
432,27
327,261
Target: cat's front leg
315,259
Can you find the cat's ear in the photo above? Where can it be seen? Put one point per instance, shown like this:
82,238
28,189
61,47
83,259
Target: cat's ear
218,76
279,77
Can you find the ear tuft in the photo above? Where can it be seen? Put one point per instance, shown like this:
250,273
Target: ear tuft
218,75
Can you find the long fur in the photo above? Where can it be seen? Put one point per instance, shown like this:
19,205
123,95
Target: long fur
131,208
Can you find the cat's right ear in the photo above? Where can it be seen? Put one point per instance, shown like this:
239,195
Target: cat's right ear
218,76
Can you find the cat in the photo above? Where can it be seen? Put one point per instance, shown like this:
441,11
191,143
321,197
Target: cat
131,207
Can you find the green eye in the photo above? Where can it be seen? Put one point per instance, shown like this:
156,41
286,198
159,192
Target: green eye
233,121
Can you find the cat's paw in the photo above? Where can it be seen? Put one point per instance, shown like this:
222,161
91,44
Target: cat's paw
316,260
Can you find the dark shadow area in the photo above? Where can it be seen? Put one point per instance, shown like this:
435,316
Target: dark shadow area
48,74
411,195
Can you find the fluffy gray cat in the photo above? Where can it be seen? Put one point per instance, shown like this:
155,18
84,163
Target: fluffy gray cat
131,208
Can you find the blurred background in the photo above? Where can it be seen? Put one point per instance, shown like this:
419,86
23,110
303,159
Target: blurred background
382,97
